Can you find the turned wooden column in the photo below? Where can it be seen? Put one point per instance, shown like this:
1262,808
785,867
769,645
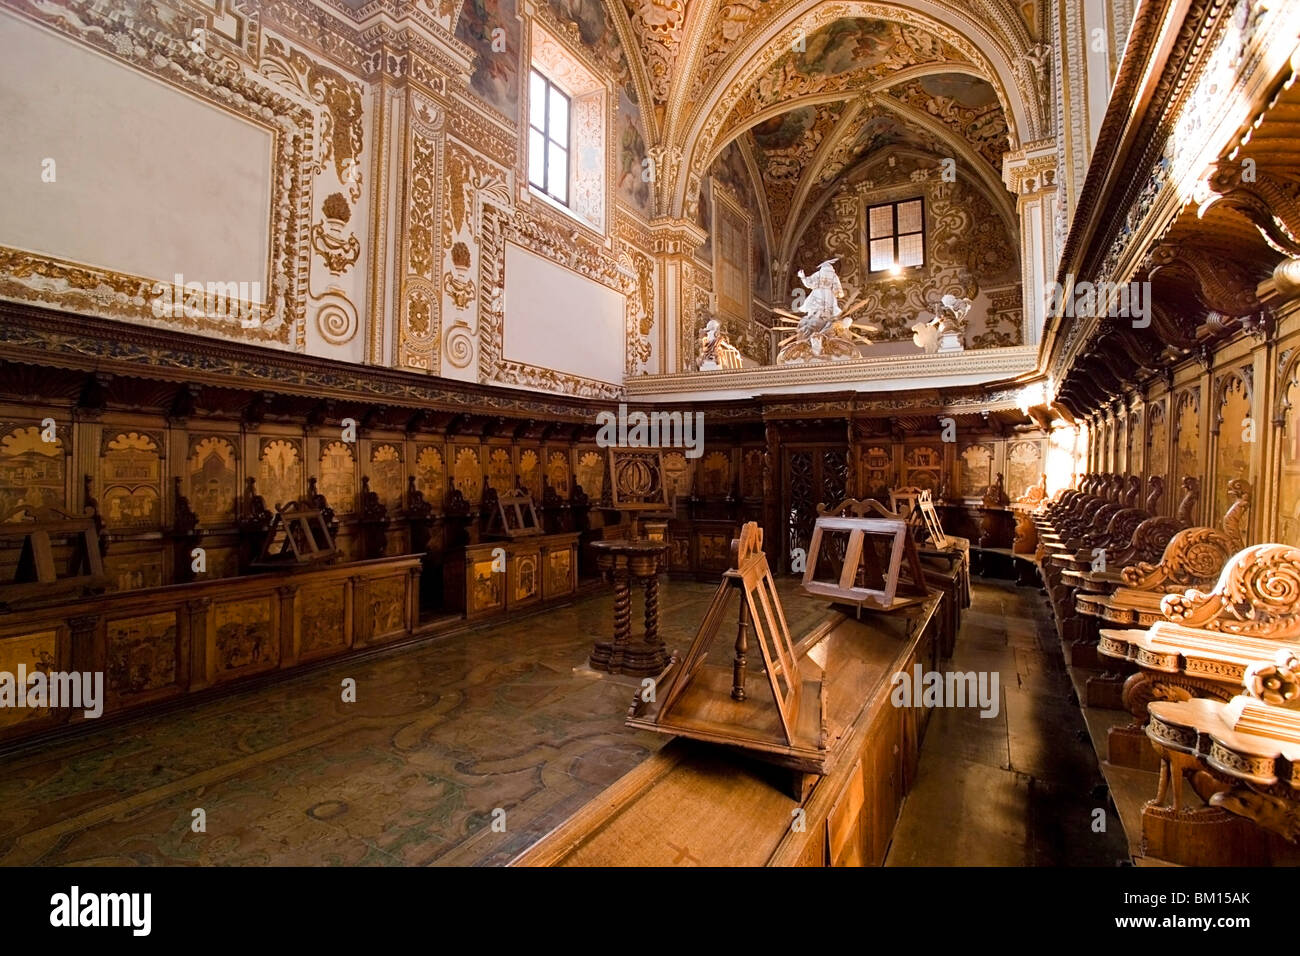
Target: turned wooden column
742,652
631,563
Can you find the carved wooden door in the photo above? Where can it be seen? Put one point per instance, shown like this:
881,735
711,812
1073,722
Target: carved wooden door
810,475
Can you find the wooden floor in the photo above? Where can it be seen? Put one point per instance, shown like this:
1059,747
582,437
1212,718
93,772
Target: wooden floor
445,733
1018,789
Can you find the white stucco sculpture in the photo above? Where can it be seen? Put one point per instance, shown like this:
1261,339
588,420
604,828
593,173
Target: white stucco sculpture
821,328
715,351
947,330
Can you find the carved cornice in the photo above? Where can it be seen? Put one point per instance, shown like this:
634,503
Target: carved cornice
994,363
48,338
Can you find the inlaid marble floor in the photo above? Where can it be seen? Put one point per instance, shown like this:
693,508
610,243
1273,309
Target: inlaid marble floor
441,735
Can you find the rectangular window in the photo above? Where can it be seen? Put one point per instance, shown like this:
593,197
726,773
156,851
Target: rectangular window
896,235
548,138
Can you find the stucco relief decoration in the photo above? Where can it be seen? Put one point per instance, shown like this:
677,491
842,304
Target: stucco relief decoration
785,146
336,320
476,189
341,141
965,104
421,310
457,283
638,289
330,239
156,40
846,54
658,28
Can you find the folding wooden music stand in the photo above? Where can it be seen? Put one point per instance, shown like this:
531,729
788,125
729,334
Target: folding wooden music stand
787,721
931,518
37,575
868,576
298,536
515,517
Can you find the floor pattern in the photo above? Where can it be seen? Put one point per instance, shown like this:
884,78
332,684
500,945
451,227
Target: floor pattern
492,726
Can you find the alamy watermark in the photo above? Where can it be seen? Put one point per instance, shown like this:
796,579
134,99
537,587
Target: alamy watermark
79,690
653,430
76,908
211,300
1097,300
952,689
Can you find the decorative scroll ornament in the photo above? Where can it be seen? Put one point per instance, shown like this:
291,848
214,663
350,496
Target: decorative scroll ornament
1276,682
1194,555
1258,595
460,346
336,323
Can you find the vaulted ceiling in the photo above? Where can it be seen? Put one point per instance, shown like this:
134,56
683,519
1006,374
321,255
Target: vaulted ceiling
808,88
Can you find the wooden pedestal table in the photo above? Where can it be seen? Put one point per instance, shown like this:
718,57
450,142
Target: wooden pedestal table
628,563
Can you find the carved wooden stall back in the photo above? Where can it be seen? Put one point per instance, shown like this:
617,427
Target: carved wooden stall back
1211,645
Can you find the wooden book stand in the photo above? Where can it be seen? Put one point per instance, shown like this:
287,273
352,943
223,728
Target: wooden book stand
782,713
298,537
869,560
37,577
514,517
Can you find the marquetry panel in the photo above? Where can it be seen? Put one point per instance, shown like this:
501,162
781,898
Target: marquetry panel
1235,436
530,472
382,607
875,470
975,468
337,476
751,473
387,474
431,474
132,570
279,470
243,637
557,473
144,654
486,590
131,474
524,579
679,473
1157,457
213,472
31,469
713,478
923,466
1136,433
1024,467
500,470
1289,484
1187,439
323,618
560,573
467,474
37,651
589,472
